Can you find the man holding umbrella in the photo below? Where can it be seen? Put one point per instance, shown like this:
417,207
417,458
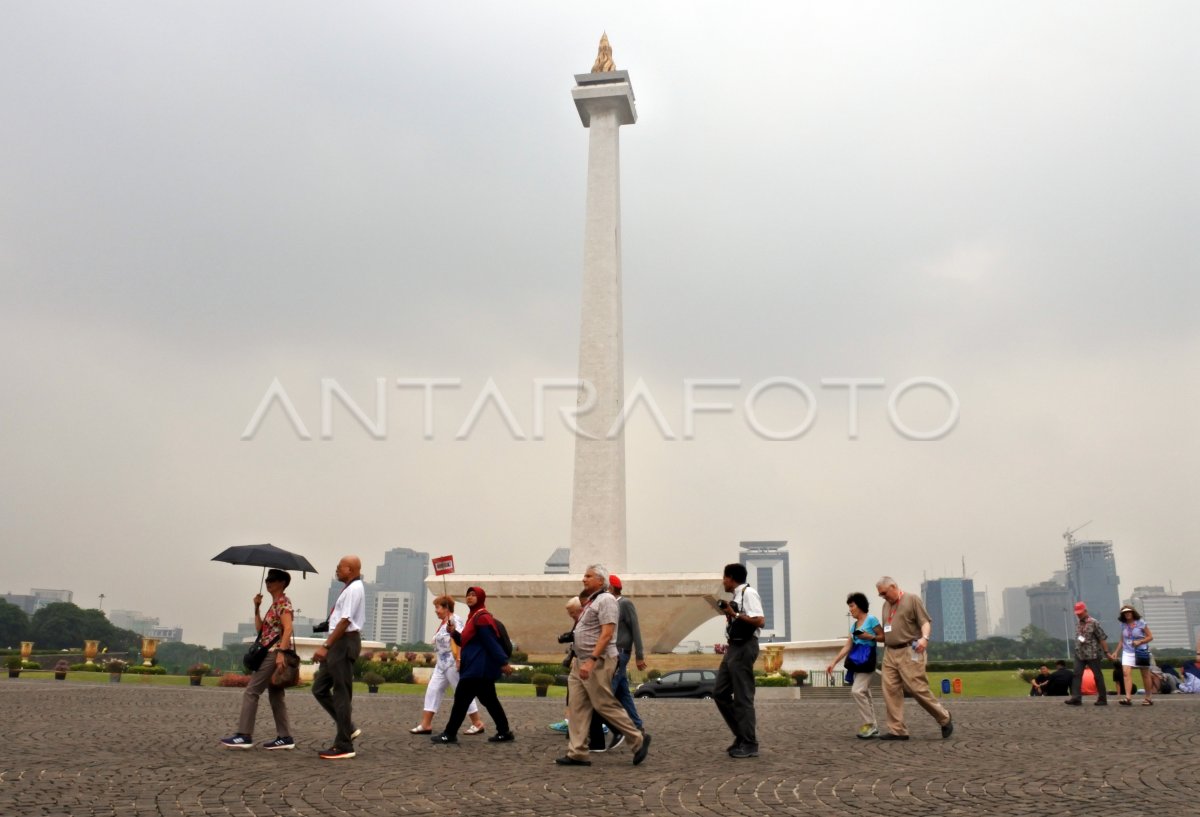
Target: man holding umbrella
333,684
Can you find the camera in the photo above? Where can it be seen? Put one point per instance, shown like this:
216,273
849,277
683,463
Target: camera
567,638
323,627
726,606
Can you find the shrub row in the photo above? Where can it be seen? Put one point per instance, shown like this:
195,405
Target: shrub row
140,670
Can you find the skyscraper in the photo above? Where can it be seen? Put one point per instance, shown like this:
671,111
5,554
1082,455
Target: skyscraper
1016,612
768,572
982,616
1166,615
1191,603
1050,609
951,605
1092,578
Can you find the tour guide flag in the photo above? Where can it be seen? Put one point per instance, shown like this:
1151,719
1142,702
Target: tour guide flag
441,566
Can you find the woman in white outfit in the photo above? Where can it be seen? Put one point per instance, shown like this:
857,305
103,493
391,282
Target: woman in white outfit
1134,634
445,671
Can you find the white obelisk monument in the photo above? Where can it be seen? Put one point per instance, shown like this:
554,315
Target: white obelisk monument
604,99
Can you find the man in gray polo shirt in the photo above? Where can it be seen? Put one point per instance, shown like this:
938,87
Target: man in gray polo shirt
589,687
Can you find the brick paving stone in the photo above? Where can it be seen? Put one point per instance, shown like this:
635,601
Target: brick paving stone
131,750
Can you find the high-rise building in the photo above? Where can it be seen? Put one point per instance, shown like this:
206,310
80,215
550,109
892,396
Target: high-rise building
1092,578
1016,612
1166,616
1050,609
133,620
951,605
982,616
768,572
168,633
1191,603
393,614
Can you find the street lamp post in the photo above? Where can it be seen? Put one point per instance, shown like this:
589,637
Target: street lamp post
1067,626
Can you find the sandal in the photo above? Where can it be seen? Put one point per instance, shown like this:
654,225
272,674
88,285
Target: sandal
1147,703
475,730
416,730
1125,702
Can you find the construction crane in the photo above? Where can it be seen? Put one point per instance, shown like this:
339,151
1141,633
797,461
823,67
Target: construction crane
1070,533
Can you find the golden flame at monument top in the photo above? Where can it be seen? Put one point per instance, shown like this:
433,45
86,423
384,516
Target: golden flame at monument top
604,61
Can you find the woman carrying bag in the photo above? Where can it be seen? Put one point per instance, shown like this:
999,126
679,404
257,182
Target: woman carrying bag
859,654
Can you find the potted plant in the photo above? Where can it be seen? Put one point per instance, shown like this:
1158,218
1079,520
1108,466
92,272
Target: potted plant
799,676
428,658
13,662
115,667
196,673
541,682
60,670
372,680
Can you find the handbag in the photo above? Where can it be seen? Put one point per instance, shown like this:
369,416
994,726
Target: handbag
254,656
1141,656
287,674
861,658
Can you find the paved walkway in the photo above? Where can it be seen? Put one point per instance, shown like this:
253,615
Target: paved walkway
133,749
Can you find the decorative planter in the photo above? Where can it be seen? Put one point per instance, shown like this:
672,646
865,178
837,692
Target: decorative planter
372,689
114,677
149,650
772,658
541,691
26,650
14,673
60,676
194,680
90,648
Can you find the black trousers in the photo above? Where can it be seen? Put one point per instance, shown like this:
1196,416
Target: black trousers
1097,674
333,686
734,691
467,690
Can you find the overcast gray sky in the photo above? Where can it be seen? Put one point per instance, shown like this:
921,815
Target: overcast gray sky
196,200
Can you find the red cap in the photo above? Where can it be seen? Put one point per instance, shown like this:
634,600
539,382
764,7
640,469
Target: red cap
614,581
1080,607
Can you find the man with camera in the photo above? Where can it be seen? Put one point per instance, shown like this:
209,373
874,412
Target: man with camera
734,690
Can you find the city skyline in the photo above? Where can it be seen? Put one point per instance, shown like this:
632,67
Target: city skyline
988,197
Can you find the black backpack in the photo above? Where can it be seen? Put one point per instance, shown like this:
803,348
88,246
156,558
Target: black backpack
505,642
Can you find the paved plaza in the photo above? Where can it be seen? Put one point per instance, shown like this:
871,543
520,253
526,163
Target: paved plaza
135,749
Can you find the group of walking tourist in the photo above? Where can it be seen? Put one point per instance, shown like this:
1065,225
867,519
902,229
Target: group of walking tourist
472,655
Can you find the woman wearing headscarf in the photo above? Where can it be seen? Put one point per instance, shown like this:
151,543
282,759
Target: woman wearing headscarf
445,671
482,660
275,633
1135,635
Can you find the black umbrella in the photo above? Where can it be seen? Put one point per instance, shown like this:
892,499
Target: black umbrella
265,556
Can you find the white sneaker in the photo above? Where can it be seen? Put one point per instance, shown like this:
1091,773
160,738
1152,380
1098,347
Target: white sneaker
868,731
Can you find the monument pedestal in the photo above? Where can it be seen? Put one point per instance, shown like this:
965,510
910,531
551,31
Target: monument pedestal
533,608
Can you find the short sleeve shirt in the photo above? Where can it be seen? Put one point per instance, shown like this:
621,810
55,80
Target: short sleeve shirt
905,618
748,602
1088,636
599,611
869,624
272,630
443,641
351,604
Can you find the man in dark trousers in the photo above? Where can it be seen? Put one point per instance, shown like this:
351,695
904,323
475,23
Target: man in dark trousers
333,685
1091,642
734,690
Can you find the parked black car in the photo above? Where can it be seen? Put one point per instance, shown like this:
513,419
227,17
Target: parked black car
688,683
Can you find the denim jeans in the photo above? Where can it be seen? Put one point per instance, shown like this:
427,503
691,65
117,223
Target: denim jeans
621,688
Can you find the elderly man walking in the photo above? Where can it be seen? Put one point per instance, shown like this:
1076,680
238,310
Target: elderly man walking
589,687
1091,642
333,686
906,628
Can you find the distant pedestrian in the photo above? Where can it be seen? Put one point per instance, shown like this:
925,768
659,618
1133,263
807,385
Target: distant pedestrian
482,661
1135,635
445,670
865,630
274,632
1091,642
333,686
906,629
734,689
589,686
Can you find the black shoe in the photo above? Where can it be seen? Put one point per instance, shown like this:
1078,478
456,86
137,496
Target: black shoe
502,737
642,751
947,729
890,736
745,750
733,746
1101,702
570,761
1073,702
617,740
444,739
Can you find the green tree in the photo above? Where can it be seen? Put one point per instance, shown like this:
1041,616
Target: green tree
14,625
63,625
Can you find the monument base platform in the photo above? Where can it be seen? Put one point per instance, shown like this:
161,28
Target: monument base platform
533,607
